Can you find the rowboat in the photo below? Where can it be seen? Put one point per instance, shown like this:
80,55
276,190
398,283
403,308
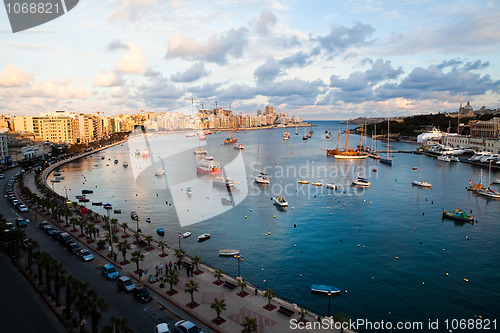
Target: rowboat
203,237
186,234
321,288
228,252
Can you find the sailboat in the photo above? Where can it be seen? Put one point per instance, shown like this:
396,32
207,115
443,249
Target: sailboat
305,137
388,159
230,139
360,181
296,130
261,177
347,153
286,135
475,186
419,182
488,192
374,150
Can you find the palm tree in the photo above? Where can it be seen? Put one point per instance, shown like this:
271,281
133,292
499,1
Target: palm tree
270,295
117,325
40,261
111,239
137,235
191,288
114,223
172,277
341,318
59,276
30,245
67,213
218,306
91,230
70,288
124,226
82,222
48,273
82,306
162,246
302,314
74,222
218,274
180,254
123,247
101,244
137,257
250,325
242,283
196,261
148,239
96,305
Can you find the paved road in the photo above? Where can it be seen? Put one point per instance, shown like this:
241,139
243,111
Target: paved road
17,295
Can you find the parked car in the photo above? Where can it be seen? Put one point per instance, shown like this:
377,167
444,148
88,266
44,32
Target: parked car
2,176
85,255
162,328
57,234
73,247
65,238
185,326
22,207
125,284
43,225
142,295
21,223
110,272
50,230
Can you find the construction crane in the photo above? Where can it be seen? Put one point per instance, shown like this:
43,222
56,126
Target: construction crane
192,99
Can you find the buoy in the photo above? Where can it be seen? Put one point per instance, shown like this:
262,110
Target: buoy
245,216
294,245
467,237
268,232
370,202
466,280
359,245
423,283
295,226
414,229
250,209
420,242
274,216
397,258
423,213
293,208
300,275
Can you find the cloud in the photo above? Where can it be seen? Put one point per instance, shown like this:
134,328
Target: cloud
299,59
117,45
107,79
268,71
131,9
132,61
216,49
160,92
12,76
341,38
265,20
193,73
52,89
431,82
358,87
292,87
206,90
237,92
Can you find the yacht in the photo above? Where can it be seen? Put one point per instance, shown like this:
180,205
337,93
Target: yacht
280,201
362,182
200,151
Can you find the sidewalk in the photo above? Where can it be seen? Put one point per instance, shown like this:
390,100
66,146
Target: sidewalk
237,307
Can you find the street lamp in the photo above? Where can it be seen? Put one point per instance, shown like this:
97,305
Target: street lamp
179,240
137,220
66,189
329,296
238,258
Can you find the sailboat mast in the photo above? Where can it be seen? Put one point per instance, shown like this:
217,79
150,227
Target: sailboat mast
347,136
388,139
338,139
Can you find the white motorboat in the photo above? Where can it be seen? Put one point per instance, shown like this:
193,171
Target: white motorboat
159,172
421,183
186,234
362,182
280,201
496,181
331,186
148,219
200,151
189,191
239,146
261,177
444,158
317,184
125,164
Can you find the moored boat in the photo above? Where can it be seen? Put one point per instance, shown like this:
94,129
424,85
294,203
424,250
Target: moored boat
458,215
321,288
159,172
83,199
303,182
117,211
223,182
125,164
116,161
203,237
107,206
133,215
331,186
97,203
148,219
239,146
488,192
421,183
200,151
87,191
360,181
228,252
207,165
280,201
317,184
160,231
189,191
186,234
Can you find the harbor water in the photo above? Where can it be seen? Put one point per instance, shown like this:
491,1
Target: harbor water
386,246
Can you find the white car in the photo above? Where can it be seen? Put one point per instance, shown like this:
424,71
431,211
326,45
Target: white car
185,326
22,207
124,283
162,328
85,255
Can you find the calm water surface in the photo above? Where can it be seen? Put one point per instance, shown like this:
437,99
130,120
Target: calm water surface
348,238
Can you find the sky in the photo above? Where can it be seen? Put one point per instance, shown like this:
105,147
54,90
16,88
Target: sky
319,59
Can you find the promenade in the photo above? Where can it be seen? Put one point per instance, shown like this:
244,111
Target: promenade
251,303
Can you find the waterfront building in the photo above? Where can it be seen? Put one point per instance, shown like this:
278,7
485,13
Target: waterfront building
478,144
466,111
486,129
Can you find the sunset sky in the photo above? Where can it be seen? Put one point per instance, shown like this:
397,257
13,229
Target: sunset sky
320,59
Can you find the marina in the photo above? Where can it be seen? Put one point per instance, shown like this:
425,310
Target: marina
389,219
